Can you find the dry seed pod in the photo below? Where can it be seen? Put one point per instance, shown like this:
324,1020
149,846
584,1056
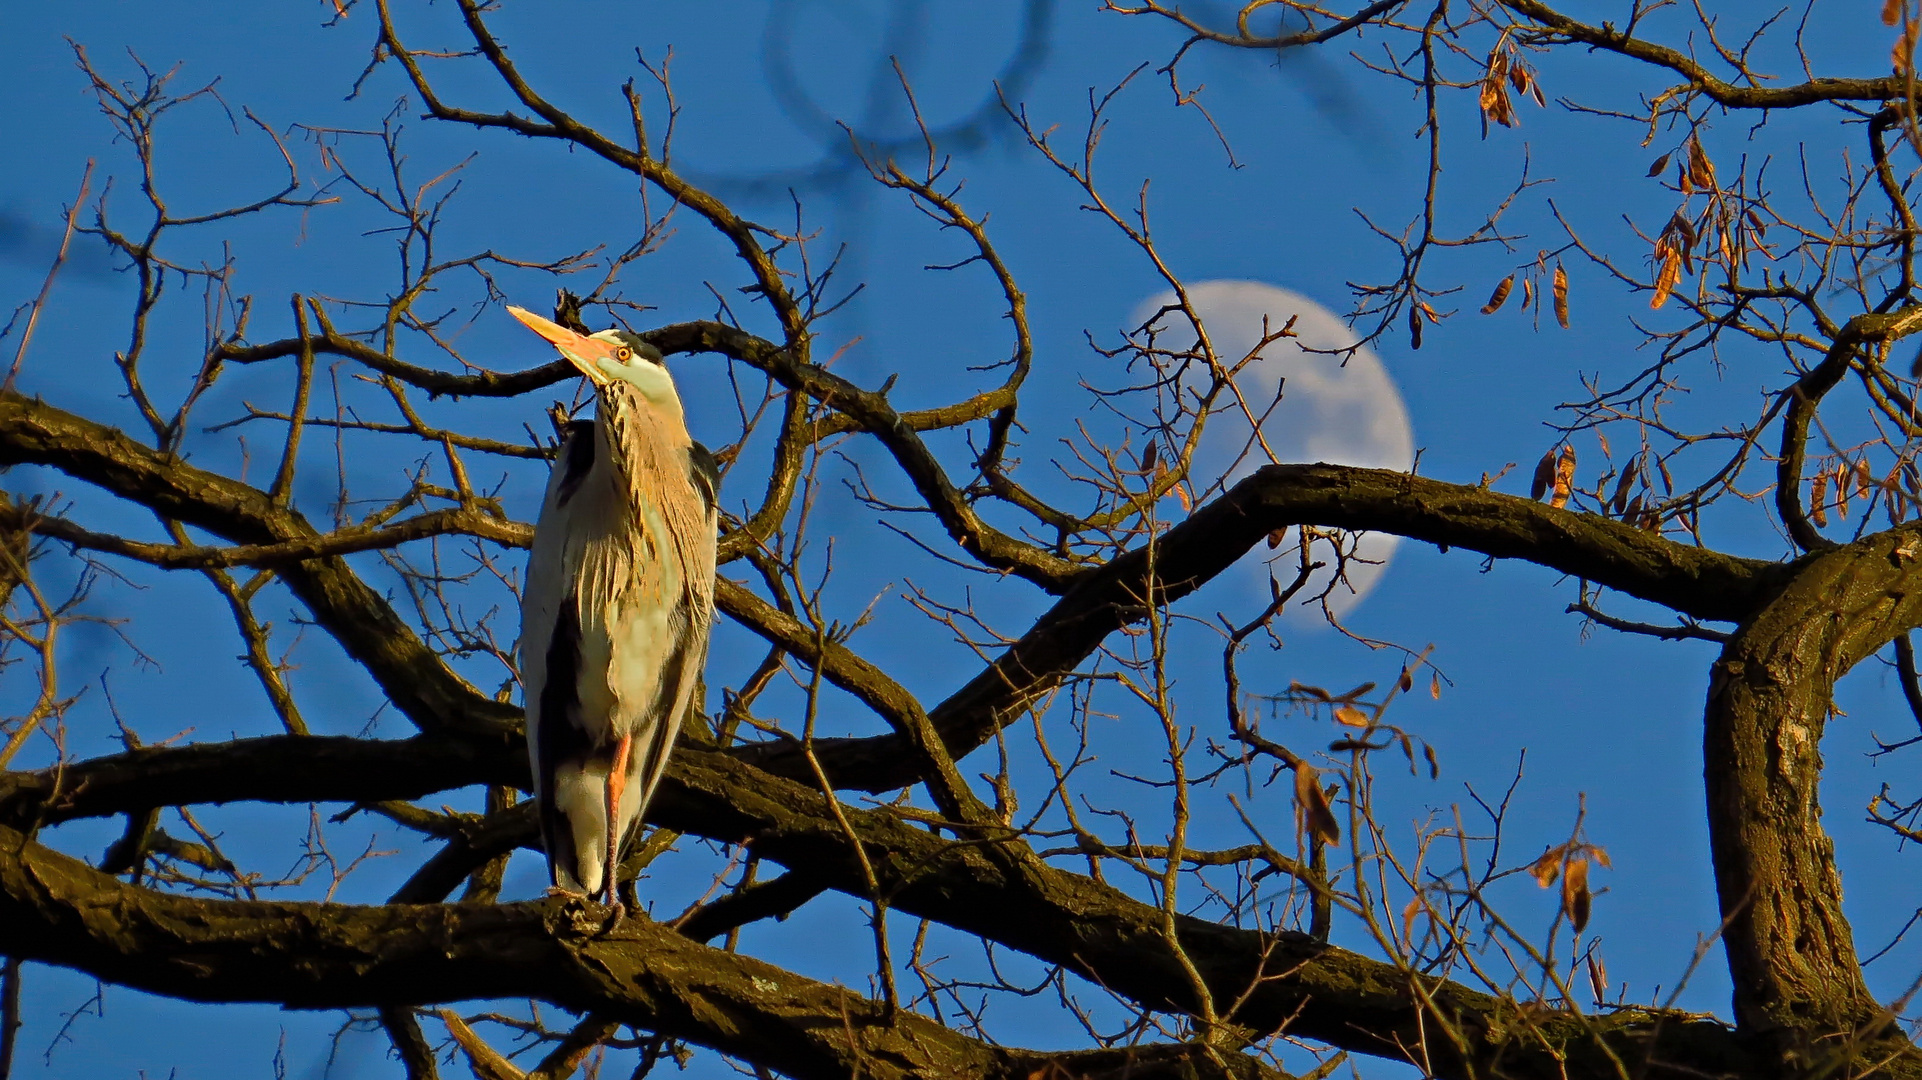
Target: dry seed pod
1561,295
1433,315
1544,476
1686,228
1428,750
1597,978
1701,171
1891,12
1407,680
1670,273
1148,455
1414,328
1494,96
1312,802
1518,77
1564,477
1661,163
1842,490
1818,498
1352,717
1622,486
1864,479
1499,296
1528,292
1576,898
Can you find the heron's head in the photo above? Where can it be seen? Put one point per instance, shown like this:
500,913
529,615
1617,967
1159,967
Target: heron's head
609,357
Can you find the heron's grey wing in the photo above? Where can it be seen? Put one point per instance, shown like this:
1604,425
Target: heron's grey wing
554,562
550,647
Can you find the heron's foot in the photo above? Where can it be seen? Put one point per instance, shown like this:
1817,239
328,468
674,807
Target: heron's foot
616,911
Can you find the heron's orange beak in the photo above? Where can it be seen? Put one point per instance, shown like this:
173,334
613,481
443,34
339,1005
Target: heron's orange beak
582,351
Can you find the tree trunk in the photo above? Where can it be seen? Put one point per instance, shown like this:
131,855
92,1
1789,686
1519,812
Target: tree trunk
1798,984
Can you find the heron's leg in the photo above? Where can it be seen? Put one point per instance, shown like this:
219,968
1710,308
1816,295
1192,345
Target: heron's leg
616,784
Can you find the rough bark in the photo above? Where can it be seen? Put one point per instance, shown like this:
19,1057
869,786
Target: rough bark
1790,948
55,909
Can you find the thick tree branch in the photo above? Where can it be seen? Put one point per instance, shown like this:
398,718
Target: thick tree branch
1694,581
57,910
1729,95
1790,948
1805,398
1059,917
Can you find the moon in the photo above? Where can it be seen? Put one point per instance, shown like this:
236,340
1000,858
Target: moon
1341,409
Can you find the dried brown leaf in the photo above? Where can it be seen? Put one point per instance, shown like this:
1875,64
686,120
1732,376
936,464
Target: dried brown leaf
1312,803
1434,686
1576,898
1661,164
1891,12
1149,454
1353,717
1818,498
1564,477
1548,867
1408,914
1428,750
1276,538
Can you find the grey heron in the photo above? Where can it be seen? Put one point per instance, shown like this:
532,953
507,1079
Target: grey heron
616,605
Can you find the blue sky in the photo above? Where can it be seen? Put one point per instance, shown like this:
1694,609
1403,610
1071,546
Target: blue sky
1615,719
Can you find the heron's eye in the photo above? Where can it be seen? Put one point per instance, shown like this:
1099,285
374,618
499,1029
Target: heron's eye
624,355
